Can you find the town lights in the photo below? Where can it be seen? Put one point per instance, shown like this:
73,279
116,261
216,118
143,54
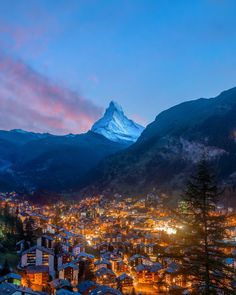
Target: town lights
169,230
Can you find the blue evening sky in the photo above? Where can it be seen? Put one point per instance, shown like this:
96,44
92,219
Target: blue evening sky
147,55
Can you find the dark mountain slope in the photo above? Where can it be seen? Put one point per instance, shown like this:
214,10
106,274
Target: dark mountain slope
32,160
169,147
51,162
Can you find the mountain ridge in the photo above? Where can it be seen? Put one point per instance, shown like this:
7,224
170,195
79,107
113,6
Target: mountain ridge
169,148
30,160
161,159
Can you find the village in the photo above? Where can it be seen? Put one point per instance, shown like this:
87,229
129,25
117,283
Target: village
98,246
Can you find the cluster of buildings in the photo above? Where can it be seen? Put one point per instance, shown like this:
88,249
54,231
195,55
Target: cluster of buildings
96,247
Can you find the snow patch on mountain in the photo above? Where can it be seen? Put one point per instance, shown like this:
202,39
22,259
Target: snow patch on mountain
20,131
34,134
190,151
115,126
193,151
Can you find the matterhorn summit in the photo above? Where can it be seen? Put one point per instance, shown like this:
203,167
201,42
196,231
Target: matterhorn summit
115,126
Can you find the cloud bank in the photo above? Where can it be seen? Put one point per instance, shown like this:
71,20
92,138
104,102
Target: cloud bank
31,101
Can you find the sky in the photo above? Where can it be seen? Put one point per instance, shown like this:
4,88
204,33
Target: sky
63,61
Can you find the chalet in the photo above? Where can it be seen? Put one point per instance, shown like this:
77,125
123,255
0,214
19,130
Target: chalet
70,272
77,249
64,257
118,265
85,256
102,263
148,274
105,276
149,248
125,281
46,241
136,260
38,256
38,276
59,284
172,276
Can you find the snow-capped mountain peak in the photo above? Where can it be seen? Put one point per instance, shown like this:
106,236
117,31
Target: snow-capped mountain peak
115,126
114,106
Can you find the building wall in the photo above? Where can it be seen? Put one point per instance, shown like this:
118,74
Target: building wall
24,260
39,257
51,263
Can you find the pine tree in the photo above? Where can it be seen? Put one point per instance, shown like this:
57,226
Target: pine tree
29,230
6,216
19,229
200,246
57,251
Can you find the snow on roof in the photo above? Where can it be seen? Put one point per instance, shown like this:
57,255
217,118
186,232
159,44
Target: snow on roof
136,256
10,289
43,249
59,283
124,276
11,275
84,254
66,292
102,290
104,271
102,261
69,264
85,285
173,267
37,269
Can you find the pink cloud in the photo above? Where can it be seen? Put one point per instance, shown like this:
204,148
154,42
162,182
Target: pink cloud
31,101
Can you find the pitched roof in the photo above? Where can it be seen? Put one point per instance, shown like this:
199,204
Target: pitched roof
102,290
59,283
37,269
47,237
102,261
85,285
66,292
104,271
43,249
84,254
69,264
136,256
173,267
155,267
124,276
9,289
10,275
